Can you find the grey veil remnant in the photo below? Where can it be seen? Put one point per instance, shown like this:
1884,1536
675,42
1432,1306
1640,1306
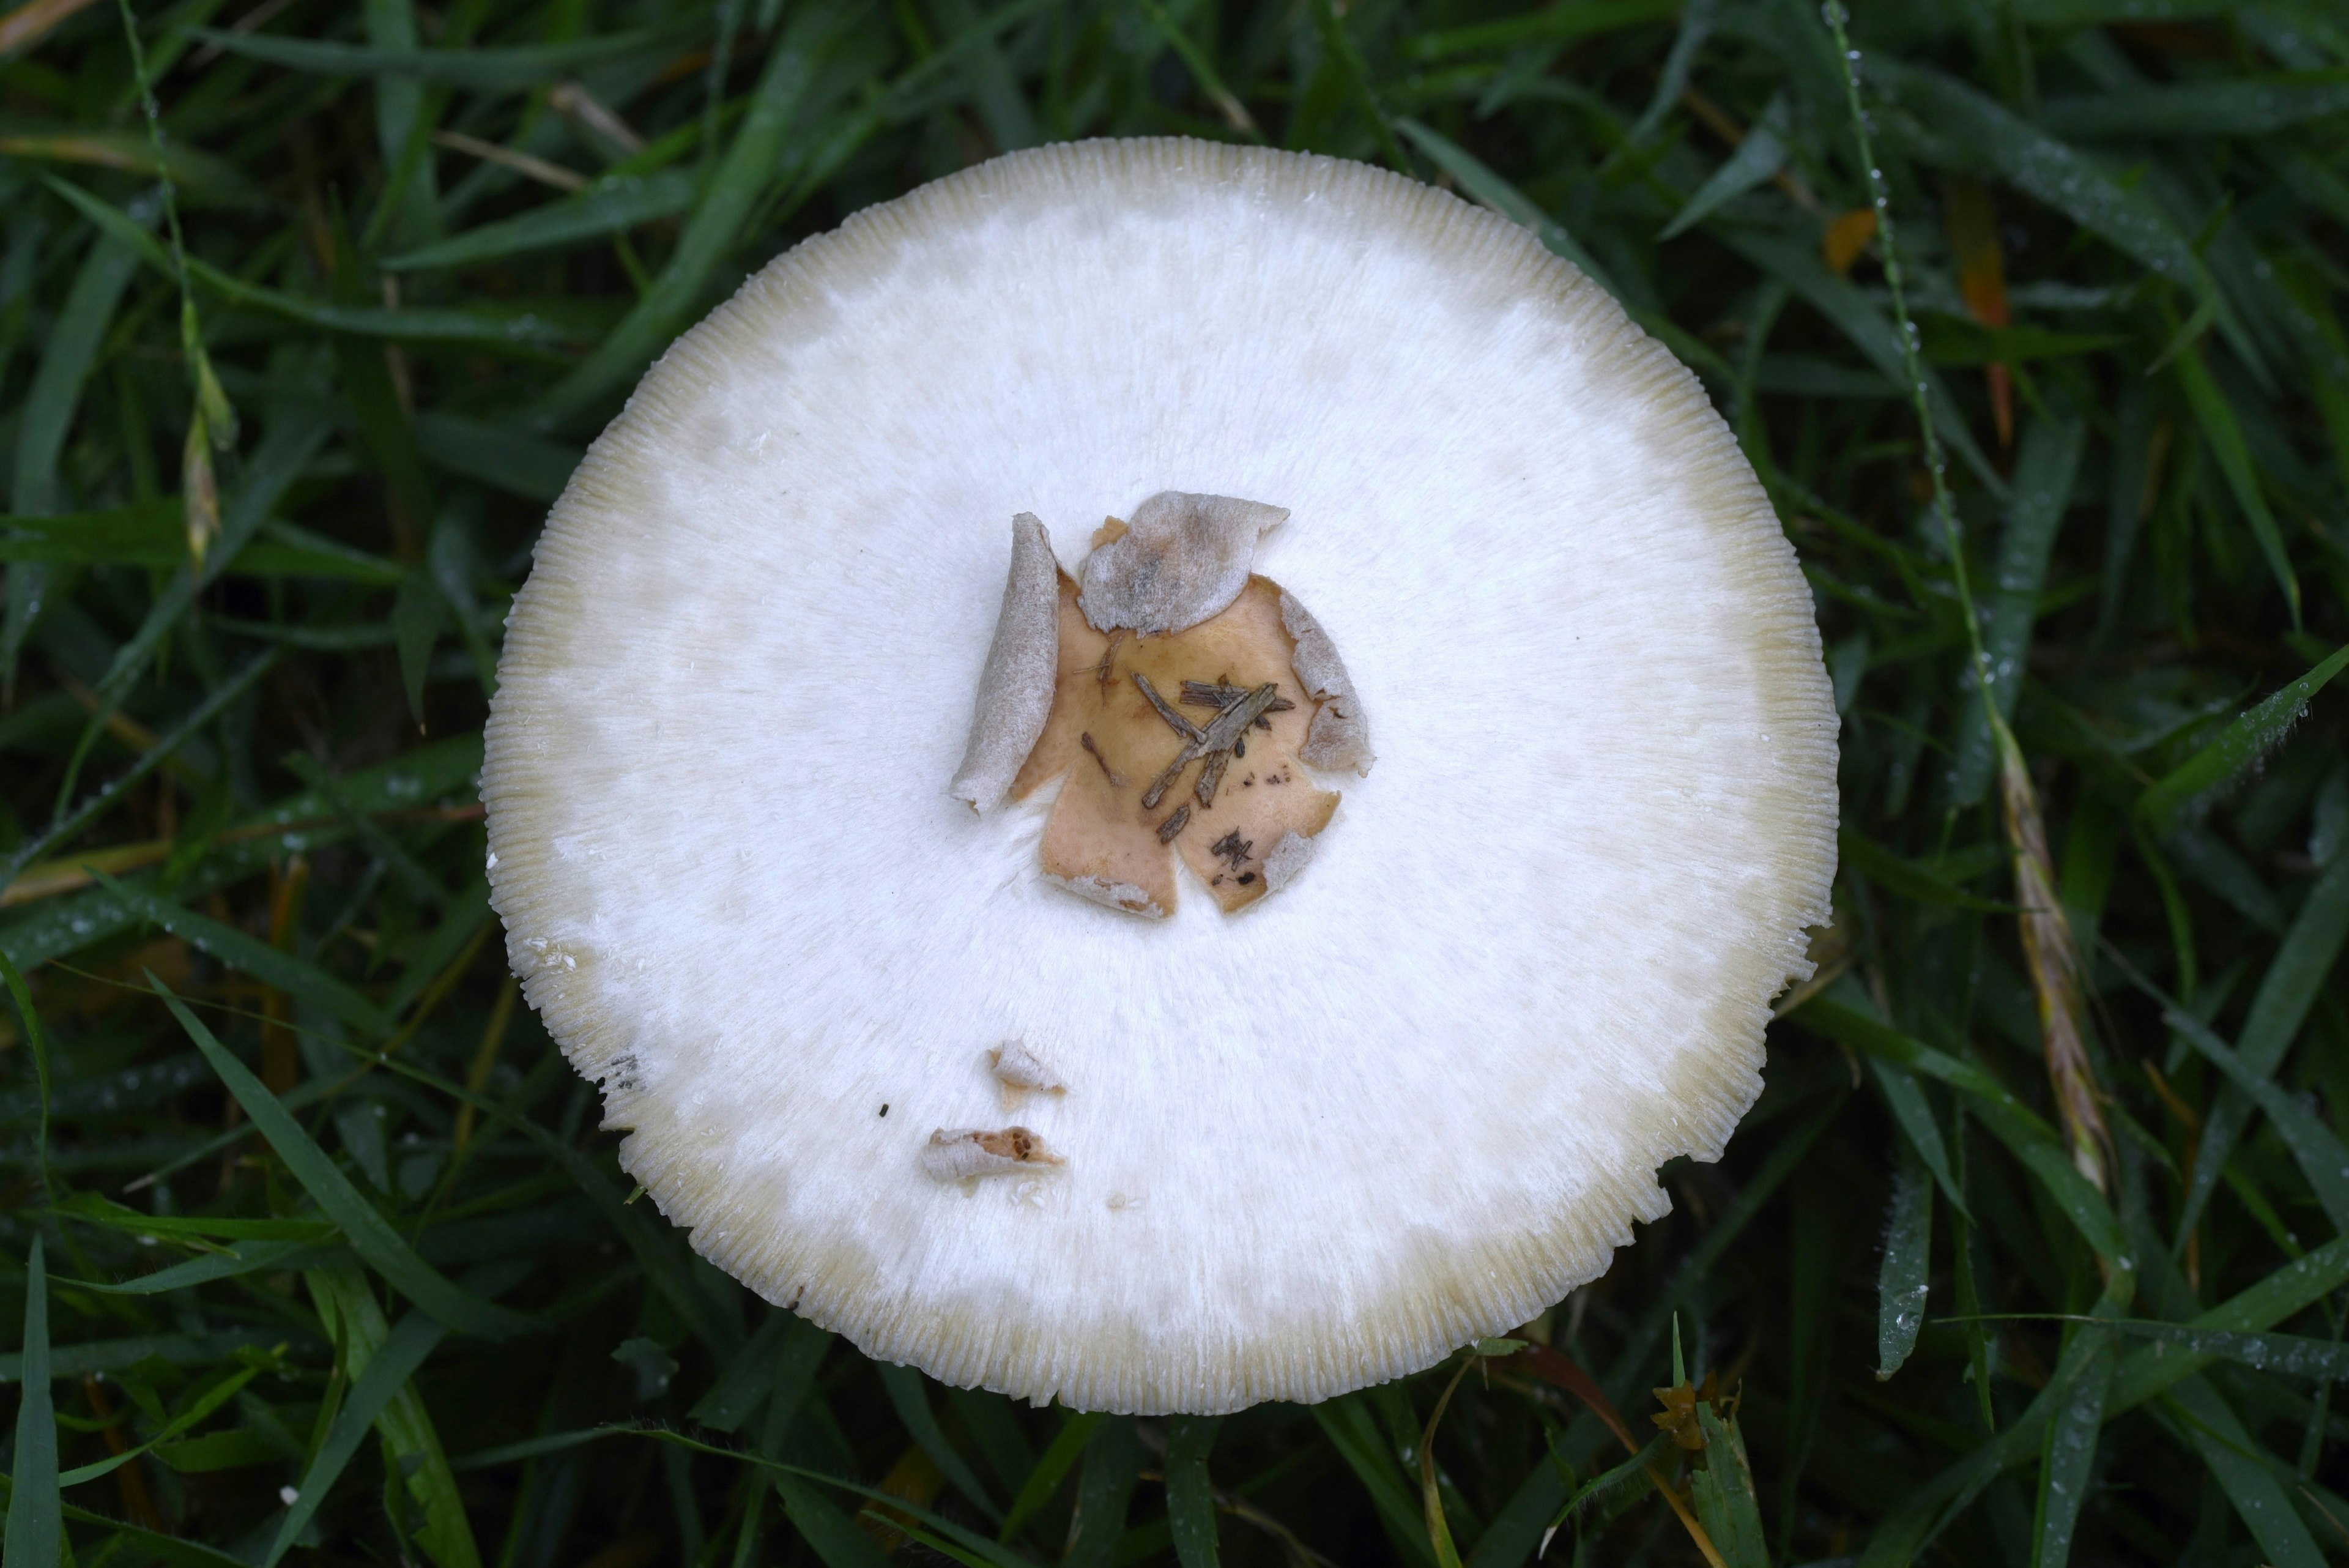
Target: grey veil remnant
1181,560
1015,688
1340,736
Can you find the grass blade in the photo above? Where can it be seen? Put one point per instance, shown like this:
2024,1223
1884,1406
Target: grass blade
1068,1446
994,89
70,824
369,1234
742,176
72,349
1490,189
2321,1156
909,1394
2287,1355
36,1534
612,205
2041,491
256,958
412,1450
512,460
386,1377
2014,1124
2217,418
1550,25
1723,1490
244,1258
829,1533
1858,852
512,331
203,1405
2068,1455
1854,314
744,1382
1756,159
2228,1449
36,1040
2245,106
511,69
1906,1095
1977,130
1900,1280
1431,1493
1191,1497
1104,1491
2287,992
2190,790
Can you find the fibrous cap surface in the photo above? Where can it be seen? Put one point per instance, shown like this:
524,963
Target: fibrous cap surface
1410,1101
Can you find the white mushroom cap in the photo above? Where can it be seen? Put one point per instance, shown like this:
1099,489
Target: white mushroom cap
1410,1101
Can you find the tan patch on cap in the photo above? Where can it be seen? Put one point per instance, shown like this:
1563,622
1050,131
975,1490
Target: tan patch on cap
1110,740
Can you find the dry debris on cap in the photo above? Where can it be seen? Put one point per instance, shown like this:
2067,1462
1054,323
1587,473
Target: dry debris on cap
1023,1073
1409,1103
1179,570
964,1152
1184,747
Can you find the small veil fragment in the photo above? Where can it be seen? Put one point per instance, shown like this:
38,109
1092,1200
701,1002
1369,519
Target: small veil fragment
1340,735
1015,688
966,1152
1288,861
1021,1071
1182,560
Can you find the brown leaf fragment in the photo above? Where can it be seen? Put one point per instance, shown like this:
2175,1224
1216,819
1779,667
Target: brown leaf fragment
1678,1414
915,1479
1972,223
1174,823
1847,236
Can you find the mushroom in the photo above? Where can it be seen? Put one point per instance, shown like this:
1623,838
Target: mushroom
1299,1146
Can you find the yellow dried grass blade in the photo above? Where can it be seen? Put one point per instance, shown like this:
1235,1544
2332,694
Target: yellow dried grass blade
2054,958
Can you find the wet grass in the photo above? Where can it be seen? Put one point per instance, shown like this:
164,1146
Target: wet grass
2034,1249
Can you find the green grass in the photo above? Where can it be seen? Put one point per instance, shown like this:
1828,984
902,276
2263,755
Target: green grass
361,1308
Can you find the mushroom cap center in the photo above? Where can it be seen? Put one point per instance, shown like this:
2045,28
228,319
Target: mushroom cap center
1124,802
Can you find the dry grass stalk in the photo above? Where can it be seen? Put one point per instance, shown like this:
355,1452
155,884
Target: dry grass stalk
25,25
2054,958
